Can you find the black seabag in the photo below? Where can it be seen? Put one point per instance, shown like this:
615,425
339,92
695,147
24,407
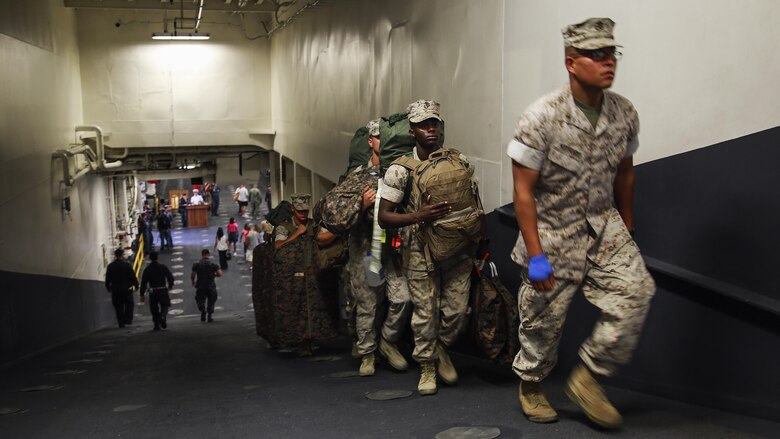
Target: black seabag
494,318
279,214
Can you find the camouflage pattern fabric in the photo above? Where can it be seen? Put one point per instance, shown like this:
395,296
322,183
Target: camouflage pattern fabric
262,261
365,297
342,206
593,33
297,303
577,166
494,318
440,298
619,285
399,301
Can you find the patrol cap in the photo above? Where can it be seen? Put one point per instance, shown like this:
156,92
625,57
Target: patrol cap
373,128
301,201
593,33
422,110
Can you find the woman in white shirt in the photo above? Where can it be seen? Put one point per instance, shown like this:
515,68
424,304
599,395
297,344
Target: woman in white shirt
221,245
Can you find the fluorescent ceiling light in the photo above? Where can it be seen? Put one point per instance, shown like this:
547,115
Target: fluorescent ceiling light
187,37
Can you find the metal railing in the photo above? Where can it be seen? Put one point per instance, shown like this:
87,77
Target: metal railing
139,257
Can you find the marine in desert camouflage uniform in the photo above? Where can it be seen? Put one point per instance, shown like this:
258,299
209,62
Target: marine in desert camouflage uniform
572,162
365,299
440,296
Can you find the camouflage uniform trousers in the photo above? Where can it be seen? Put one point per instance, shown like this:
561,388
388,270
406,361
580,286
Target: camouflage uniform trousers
440,299
348,301
620,286
365,297
399,301
255,209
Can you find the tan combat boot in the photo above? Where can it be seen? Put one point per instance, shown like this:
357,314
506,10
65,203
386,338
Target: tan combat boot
367,365
534,403
583,389
355,353
447,371
427,384
394,357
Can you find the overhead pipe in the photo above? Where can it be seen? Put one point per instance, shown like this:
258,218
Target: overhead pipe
100,148
65,154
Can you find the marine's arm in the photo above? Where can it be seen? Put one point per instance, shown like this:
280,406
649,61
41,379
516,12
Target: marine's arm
389,217
525,210
624,191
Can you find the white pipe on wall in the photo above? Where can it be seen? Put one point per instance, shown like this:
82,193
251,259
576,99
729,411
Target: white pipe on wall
101,152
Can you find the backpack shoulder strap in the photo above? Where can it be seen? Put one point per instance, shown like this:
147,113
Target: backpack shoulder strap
407,162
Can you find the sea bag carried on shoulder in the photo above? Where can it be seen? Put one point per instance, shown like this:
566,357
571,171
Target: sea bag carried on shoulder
340,209
281,213
395,140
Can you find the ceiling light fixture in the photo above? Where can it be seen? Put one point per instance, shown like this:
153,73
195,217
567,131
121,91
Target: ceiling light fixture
175,37
180,23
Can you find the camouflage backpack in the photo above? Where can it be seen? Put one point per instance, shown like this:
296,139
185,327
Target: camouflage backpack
341,206
494,316
445,176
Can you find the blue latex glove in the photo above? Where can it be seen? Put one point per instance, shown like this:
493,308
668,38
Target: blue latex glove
538,268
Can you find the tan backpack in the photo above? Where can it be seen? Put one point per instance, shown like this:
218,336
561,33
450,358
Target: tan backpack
445,176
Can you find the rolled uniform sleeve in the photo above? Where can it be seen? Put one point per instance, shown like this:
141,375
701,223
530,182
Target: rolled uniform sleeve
394,183
528,147
633,140
281,233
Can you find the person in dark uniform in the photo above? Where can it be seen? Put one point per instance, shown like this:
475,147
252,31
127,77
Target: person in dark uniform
120,280
159,280
183,210
215,200
203,274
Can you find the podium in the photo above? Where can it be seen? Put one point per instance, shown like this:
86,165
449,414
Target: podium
198,216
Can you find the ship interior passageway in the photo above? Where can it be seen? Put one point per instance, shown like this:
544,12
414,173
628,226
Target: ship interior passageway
113,111
219,379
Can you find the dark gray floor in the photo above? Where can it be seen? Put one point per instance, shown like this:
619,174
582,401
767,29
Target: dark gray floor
199,380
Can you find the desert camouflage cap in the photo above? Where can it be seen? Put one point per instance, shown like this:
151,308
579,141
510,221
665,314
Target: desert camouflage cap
373,127
301,201
593,33
422,110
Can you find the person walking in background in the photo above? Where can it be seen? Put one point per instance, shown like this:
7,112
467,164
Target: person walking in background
142,228
164,223
120,281
255,198
183,210
573,172
242,198
215,200
203,274
244,233
253,239
159,280
232,229
221,246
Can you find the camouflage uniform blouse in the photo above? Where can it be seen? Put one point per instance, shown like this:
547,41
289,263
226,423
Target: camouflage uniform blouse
577,167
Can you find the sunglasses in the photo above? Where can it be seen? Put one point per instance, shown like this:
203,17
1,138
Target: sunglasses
600,54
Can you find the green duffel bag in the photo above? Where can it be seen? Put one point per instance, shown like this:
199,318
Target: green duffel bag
395,140
359,151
